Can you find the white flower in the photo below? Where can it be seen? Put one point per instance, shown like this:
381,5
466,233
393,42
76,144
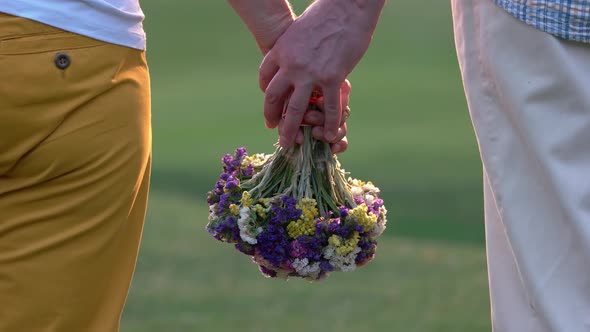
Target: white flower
369,199
329,252
244,213
381,223
299,264
248,231
304,269
378,229
212,214
248,238
369,187
356,191
344,263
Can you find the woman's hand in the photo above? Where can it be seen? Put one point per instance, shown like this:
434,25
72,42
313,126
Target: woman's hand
316,119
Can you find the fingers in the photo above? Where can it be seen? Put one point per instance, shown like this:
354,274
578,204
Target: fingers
268,69
299,137
332,112
329,125
298,103
319,133
336,148
316,118
274,99
313,118
340,146
345,90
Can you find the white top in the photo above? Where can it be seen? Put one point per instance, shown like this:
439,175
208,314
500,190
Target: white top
114,21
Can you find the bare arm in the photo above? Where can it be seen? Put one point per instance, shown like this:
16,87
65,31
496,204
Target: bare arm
267,20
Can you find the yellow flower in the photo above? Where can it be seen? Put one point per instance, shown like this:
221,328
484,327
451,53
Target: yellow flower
306,224
246,199
308,208
344,247
265,201
234,209
367,220
260,210
356,182
300,227
354,239
335,240
256,160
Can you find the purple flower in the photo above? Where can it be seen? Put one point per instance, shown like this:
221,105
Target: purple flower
212,197
320,227
231,184
284,210
343,211
297,249
241,153
368,248
227,159
313,246
377,204
236,163
273,244
223,203
343,229
359,200
326,266
245,248
248,171
226,230
267,272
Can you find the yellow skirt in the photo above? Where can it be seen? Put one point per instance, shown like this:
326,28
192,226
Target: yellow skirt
75,156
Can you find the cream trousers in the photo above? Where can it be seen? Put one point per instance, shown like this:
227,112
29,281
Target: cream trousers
529,98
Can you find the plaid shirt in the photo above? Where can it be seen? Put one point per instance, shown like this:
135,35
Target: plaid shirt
568,19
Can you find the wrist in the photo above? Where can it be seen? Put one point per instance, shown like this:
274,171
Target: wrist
266,19
364,3
270,29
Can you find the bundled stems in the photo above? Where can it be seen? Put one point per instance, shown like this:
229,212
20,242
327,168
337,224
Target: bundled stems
309,170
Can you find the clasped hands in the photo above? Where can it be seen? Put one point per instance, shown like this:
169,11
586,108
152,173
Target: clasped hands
316,50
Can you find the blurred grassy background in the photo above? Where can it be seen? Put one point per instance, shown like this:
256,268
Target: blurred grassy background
409,133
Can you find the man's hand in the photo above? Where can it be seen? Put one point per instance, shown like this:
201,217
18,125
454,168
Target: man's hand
318,50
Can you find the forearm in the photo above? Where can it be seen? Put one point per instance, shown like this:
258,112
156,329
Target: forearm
363,3
363,14
266,19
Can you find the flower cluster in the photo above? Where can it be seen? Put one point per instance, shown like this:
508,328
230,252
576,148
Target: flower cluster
295,213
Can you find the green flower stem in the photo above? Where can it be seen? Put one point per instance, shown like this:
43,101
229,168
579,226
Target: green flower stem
309,170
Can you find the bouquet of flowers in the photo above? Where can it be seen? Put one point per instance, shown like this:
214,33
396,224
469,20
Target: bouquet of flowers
295,212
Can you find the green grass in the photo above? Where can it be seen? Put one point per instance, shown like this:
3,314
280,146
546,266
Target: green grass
187,282
409,132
